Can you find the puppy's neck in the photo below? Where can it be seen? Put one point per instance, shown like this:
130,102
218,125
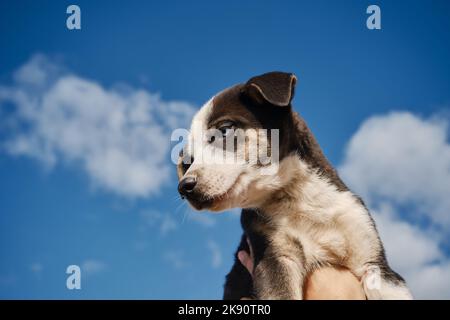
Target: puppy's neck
288,189
305,194
305,176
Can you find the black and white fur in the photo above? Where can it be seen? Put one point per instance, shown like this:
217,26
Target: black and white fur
300,217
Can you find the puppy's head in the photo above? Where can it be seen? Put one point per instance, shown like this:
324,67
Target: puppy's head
220,166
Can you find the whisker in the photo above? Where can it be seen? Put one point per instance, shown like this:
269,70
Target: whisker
178,207
186,212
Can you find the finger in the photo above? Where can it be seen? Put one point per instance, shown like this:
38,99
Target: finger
330,283
246,261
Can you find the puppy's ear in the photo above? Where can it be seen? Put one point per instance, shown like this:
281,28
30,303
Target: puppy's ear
276,88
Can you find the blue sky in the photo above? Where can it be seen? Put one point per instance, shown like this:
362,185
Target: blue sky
74,197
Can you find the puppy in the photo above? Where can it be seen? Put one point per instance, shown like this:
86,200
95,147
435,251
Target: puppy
297,212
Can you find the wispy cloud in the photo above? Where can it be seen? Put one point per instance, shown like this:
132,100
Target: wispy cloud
204,219
176,259
399,161
119,136
92,266
216,253
164,221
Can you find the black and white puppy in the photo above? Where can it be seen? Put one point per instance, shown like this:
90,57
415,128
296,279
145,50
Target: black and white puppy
299,217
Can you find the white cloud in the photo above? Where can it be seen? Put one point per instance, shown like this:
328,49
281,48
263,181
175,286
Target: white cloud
120,137
203,218
415,254
216,254
432,281
175,259
168,224
164,222
394,230
404,159
91,266
400,164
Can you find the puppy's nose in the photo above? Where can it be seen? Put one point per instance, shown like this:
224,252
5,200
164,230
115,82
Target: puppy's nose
187,185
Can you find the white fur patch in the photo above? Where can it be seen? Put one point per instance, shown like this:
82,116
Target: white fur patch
332,226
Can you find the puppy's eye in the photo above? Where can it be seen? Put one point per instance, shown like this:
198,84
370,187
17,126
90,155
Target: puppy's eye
227,128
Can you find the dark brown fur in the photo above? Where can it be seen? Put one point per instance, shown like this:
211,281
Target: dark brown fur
295,136
265,102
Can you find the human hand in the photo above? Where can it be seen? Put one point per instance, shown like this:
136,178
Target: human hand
327,283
